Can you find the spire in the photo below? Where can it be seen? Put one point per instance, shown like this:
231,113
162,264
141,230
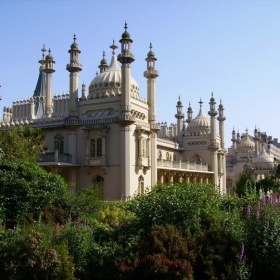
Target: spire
151,64
190,112
113,47
221,116
126,57
74,37
103,64
179,106
200,102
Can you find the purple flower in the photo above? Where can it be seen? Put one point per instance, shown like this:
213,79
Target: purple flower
257,214
242,251
259,207
248,209
263,199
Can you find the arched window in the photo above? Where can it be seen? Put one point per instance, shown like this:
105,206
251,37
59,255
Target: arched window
159,154
167,156
98,182
229,184
59,143
197,159
141,185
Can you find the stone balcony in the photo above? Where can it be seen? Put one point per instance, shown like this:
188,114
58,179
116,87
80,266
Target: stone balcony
182,166
55,158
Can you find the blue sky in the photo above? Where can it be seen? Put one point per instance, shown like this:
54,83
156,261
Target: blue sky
229,47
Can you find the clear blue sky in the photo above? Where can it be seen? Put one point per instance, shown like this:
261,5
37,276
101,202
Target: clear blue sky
229,47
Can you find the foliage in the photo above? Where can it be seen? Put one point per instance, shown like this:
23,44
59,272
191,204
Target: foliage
29,255
244,184
23,143
266,184
25,187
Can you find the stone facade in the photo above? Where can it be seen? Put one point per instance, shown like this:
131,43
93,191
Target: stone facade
108,135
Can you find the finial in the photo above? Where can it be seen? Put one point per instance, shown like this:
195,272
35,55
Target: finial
179,98
43,51
220,101
103,54
49,50
113,47
74,37
246,130
125,25
200,102
96,73
190,104
212,93
151,46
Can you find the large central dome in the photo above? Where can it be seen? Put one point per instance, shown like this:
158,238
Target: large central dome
200,125
108,83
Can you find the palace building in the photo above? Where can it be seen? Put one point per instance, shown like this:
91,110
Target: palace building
108,135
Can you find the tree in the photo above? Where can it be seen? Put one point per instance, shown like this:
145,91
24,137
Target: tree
22,143
244,183
25,188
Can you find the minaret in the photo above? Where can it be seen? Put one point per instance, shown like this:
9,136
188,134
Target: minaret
48,68
222,156
84,92
221,118
256,138
126,58
103,64
214,145
190,112
74,67
233,139
180,117
151,74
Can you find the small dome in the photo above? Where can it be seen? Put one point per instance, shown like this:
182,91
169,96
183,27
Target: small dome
246,144
103,61
200,124
125,35
151,54
49,57
263,159
74,46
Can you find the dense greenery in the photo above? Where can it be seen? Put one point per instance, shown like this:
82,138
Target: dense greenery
183,231
23,143
173,232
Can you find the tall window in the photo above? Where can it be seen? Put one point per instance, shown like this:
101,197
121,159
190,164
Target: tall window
141,185
96,147
59,143
145,147
98,182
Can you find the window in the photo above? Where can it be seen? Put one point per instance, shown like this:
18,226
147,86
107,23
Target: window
96,147
145,148
59,143
197,159
141,185
98,182
167,156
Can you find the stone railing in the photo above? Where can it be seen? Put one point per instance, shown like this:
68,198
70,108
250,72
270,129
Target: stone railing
53,157
181,165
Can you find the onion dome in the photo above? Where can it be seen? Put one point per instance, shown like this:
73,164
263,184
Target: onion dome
74,46
263,160
49,56
111,78
151,54
200,124
125,35
246,144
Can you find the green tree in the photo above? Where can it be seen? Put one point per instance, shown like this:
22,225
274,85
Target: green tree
244,183
25,188
22,143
